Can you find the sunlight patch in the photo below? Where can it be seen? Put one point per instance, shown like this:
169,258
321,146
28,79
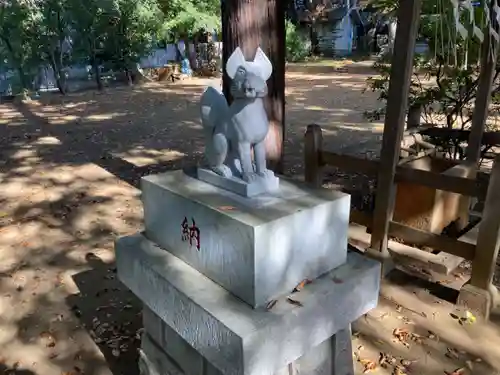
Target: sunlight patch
48,141
141,157
104,116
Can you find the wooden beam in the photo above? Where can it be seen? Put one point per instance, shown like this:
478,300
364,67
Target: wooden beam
464,249
487,138
483,96
452,180
350,163
313,145
435,241
488,238
447,181
441,263
422,154
394,126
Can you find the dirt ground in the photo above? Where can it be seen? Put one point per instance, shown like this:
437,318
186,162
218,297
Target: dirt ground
69,172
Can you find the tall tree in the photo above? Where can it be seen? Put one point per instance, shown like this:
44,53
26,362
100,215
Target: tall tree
19,22
134,26
248,25
53,38
90,20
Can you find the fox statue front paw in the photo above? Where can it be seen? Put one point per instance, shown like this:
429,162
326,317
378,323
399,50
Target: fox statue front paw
249,177
266,173
223,170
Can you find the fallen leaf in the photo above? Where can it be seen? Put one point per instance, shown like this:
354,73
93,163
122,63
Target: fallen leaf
226,208
48,339
402,335
469,365
458,371
294,302
368,365
301,285
454,316
386,360
469,317
271,304
452,353
398,370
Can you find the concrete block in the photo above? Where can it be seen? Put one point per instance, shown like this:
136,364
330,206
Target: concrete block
333,356
228,333
257,248
153,361
186,357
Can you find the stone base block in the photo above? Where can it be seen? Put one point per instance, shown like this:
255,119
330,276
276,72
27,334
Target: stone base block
257,248
269,184
229,334
478,300
330,357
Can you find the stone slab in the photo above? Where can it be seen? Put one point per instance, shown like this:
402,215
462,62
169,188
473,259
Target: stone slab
237,185
333,356
232,336
323,359
257,248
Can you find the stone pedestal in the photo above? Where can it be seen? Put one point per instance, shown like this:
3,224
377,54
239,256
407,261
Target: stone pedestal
193,326
257,248
216,273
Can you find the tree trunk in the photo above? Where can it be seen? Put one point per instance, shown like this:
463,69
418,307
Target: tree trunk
58,74
250,24
18,62
128,74
97,73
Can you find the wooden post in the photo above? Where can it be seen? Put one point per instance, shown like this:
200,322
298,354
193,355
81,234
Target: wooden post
480,295
483,97
249,24
313,146
397,103
488,239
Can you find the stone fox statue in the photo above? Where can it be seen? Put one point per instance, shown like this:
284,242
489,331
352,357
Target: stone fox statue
233,131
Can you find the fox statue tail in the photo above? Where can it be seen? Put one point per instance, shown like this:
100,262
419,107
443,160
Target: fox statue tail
214,114
214,108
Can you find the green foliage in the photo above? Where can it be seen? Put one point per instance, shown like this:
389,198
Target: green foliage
298,46
189,17
60,32
19,22
131,32
445,93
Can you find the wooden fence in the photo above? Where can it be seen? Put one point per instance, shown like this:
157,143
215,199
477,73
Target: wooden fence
461,179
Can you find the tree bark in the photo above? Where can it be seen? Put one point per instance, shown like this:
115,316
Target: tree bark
249,24
58,73
19,65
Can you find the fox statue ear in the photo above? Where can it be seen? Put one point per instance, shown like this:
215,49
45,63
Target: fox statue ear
263,63
236,60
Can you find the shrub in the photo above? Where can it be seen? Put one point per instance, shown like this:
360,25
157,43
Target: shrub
298,46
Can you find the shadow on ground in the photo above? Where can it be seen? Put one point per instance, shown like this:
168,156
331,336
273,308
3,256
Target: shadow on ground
110,313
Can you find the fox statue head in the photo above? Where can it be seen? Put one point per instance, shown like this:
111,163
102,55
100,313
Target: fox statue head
248,77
